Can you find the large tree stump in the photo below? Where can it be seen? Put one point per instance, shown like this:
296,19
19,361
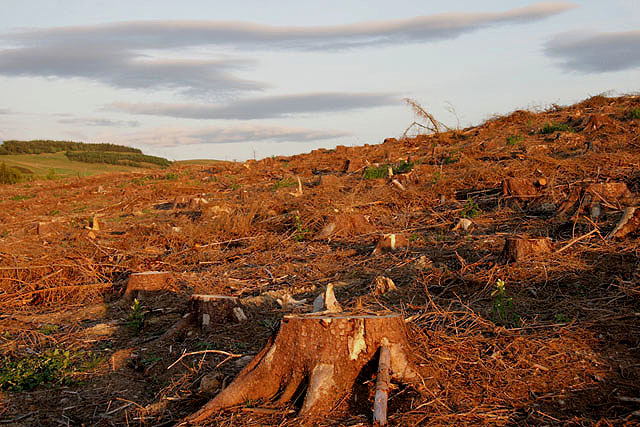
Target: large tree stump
520,248
327,349
148,281
215,309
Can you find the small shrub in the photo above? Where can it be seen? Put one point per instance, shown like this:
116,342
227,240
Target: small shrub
634,113
503,312
514,139
135,321
51,367
436,177
51,174
9,175
301,232
470,209
171,176
403,167
451,158
555,127
283,183
373,172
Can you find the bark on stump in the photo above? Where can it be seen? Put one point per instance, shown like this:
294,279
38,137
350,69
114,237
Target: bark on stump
517,249
328,349
215,309
148,281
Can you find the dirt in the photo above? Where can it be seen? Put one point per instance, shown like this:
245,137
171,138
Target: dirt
559,345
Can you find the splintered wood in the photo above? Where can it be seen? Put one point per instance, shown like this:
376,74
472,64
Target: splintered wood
327,350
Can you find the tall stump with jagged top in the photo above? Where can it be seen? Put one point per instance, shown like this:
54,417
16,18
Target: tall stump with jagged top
328,350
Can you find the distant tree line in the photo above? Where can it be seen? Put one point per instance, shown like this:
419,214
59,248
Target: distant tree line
46,146
124,159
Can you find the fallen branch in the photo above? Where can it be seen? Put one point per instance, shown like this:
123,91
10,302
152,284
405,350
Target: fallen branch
576,240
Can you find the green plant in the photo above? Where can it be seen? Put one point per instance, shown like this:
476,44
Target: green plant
9,175
436,178
284,183
301,231
514,139
53,212
634,113
135,321
171,176
561,318
402,167
19,197
503,312
52,366
451,158
49,329
470,209
51,175
554,127
373,172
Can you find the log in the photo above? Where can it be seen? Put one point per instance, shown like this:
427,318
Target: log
520,248
383,381
327,349
209,310
148,281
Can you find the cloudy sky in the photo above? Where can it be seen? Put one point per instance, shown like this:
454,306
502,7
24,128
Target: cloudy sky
244,79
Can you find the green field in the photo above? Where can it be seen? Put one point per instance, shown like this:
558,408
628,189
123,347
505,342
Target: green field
41,164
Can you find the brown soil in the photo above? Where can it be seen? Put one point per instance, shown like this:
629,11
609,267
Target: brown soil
565,351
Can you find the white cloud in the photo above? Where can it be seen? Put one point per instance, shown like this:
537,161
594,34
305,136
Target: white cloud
98,122
262,107
596,52
118,54
172,137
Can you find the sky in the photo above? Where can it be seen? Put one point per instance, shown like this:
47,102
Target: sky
253,79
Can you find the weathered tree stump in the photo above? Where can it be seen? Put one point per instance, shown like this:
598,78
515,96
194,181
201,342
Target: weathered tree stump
328,349
148,281
215,309
629,223
519,248
391,242
346,225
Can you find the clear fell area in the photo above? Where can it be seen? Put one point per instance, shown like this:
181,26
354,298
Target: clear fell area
508,250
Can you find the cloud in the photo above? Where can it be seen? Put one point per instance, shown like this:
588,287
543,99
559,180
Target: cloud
261,108
118,54
83,121
5,111
120,67
596,52
171,137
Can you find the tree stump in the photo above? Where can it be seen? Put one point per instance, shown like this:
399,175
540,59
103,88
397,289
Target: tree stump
629,223
148,281
519,248
215,309
327,349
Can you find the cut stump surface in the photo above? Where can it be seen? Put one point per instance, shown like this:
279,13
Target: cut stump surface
327,349
148,281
